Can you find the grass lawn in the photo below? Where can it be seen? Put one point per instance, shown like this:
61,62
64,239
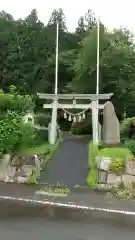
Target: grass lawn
40,149
43,148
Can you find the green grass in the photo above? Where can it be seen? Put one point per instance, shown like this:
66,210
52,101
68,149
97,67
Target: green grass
91,179
41,149
93,152
122,153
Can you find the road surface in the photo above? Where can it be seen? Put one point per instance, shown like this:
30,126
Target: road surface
15,229
69,165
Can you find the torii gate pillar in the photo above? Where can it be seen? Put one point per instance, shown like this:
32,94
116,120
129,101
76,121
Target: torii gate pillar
95,124
53,126
55,105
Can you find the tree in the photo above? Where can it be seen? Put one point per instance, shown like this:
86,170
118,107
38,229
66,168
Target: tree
27,58
58,16
117,70
90,20
81,28
14,133
32,18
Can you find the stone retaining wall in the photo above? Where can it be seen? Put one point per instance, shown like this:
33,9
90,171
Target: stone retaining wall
20,169
108,179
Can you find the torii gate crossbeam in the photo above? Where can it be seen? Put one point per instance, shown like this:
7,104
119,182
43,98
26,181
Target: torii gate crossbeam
93,105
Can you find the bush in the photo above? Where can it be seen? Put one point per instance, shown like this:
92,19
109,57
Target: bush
42,136
9,132
14,133
125,128
117,165
27,136
14,102
130,144
43,119
84,127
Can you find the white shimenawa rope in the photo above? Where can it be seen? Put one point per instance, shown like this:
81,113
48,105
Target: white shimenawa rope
75,114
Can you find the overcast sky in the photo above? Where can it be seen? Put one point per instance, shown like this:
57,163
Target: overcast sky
113,13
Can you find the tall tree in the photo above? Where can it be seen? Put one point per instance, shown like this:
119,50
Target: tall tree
58,16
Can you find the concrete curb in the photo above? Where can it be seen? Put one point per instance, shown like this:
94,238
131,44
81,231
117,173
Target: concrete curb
24,207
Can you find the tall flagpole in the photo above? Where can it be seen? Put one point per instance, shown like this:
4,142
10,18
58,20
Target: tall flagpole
97,82
53,126
56,59
98,28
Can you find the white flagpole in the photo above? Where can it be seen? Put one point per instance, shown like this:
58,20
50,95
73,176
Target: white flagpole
56,59
53,127
97,82
98,28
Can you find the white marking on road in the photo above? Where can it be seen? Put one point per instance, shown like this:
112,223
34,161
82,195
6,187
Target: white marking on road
68,205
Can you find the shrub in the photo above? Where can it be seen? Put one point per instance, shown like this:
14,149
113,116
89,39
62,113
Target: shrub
125,128
84,127
42,119
27,136
14,102
9,132
42,136
14,133
117,165
130,144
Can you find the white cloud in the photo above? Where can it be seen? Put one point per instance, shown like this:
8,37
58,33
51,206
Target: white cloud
113,13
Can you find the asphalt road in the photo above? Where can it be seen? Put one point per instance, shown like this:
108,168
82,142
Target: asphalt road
69,165
60,230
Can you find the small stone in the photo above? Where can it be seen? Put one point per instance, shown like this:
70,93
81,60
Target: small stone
27,170
22,179
113,179
11,171
128,180
104,186
101,176
105,163
130,167
9,180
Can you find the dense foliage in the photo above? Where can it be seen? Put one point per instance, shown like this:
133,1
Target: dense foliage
27,58
14,133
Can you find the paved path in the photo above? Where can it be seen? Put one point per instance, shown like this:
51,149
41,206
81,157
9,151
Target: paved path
61,230
70,163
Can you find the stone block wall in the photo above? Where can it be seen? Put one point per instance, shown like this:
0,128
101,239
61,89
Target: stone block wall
108,179
20,168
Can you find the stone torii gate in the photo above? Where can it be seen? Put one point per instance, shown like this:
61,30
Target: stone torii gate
92,103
